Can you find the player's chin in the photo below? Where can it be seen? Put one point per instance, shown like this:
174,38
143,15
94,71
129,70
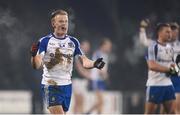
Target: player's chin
62,32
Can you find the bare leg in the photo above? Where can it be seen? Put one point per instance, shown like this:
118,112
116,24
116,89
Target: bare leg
170,106
56,109
150,108
177,103
78,104
162,110
99,104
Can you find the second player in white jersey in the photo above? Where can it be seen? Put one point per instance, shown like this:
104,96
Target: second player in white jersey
160,67
176,47
163,55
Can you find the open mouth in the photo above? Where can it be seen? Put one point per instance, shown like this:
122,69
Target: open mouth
63,28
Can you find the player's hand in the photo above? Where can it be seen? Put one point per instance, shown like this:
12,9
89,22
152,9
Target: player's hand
178,61
34,49
173,70
144,23
99,63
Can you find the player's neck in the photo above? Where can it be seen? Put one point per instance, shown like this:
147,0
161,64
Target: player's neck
60,36
161,42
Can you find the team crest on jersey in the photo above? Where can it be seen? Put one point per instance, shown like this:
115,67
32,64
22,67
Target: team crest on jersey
168,51
53,98
62,45
52,44
70,44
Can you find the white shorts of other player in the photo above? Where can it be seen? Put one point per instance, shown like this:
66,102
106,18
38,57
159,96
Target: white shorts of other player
79,85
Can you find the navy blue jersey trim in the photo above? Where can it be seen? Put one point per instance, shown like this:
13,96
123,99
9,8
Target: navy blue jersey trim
77,46
58,37
156,50
146,54
43,43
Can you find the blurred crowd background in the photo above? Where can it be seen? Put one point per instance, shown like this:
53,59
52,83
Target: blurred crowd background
23,22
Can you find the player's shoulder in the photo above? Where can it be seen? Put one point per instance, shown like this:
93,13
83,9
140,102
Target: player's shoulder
153,45
45,38
73,39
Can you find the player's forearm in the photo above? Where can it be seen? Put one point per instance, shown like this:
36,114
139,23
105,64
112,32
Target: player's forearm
143,37
157,67
88,64
81,70
36,62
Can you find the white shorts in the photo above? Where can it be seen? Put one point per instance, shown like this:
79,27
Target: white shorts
79,85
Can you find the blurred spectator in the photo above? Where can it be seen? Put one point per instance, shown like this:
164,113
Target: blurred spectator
79,81
99,78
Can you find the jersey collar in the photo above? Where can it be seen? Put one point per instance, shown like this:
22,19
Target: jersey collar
59,37
161,43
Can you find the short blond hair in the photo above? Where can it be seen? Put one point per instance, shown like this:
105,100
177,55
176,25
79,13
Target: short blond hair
58,12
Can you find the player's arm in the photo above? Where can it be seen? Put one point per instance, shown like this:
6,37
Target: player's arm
154,66
142,33
36,62
81,70
171,70
89,64
36,59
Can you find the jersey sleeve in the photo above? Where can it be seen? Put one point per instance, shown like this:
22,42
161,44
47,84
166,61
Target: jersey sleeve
43,46
152,52
77,50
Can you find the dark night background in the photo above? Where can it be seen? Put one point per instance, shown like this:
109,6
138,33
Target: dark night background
25,21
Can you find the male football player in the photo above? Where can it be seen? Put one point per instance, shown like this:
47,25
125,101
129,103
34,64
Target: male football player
55,53
161,66
99,78
175,43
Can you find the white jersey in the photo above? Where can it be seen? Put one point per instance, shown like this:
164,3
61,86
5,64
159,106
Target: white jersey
69,47
162,55
176,47
95,73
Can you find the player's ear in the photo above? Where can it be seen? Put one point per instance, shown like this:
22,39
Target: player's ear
52,23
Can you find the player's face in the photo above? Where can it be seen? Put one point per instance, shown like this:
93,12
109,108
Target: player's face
165,34
60,24
175,34
107,46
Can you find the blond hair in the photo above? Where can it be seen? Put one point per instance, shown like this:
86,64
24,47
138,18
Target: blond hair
58,12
